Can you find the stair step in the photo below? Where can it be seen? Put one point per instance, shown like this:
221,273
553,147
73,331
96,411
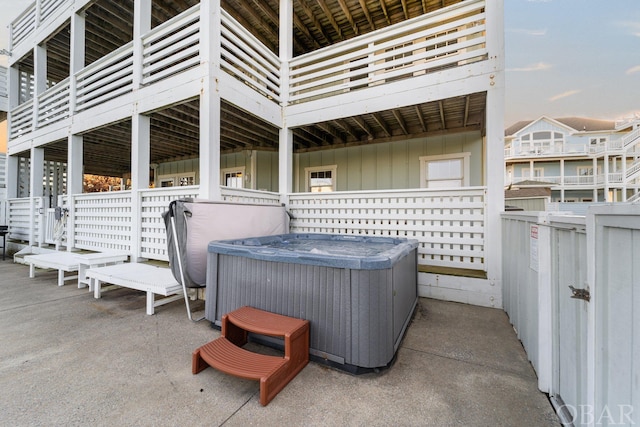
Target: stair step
263,322
224,356
274,373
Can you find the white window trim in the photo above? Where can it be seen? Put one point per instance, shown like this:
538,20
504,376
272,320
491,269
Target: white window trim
307,175
240,169
466,167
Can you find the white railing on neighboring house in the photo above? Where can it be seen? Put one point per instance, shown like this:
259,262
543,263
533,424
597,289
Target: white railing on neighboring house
449,224
172,47
449,37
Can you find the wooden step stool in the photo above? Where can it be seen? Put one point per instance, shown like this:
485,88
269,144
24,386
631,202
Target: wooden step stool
225,353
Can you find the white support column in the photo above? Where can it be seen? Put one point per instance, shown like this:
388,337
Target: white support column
40,83
77,57
140,164
36,190
285,140
141,25
75,160
562,180
210,102
605,171
494,158
12,176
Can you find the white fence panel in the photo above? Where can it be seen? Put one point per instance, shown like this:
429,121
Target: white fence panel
154,203
615,274
102,221
448,224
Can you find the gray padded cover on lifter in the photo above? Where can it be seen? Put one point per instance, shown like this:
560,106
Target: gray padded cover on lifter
199,222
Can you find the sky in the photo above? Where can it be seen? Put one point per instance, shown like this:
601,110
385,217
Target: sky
563,58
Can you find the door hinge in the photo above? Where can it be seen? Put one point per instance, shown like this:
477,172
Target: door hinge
580,293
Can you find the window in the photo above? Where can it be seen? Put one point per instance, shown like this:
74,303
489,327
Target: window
233,177
321,179
585,171
181,180
542,142
537,173
450,170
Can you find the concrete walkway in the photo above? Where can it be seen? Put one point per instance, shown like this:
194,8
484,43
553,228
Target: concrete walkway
68,359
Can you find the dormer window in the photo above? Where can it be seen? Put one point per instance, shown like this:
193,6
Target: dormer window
542,142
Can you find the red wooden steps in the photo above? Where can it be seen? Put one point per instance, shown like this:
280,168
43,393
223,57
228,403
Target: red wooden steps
274,373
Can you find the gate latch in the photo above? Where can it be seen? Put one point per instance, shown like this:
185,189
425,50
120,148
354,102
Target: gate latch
580,293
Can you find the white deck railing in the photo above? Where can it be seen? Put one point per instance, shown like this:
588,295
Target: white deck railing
105,79
245,58
450,37
449,224
21,121
172,47
23,26
53,105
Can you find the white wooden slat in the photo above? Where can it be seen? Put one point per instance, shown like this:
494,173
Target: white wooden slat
161,30
242,33
243,66
172,44
269,65
182,66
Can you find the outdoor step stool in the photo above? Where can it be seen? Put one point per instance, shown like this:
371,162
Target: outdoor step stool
274,373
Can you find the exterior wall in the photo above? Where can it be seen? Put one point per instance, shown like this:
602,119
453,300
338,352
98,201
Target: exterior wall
390,165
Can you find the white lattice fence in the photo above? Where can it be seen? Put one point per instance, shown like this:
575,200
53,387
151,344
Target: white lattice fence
449,224
154,203
236,195
103,221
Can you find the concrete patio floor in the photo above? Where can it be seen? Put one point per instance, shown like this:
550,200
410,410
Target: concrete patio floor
69,359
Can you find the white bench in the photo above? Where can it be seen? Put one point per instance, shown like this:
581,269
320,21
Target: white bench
143,277
72,262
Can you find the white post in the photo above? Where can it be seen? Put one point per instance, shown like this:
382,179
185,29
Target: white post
140,164
141,25
40,70
36,189
76,62
210,102
285,141
75,177
494,159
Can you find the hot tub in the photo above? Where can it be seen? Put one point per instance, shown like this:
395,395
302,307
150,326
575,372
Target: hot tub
358,293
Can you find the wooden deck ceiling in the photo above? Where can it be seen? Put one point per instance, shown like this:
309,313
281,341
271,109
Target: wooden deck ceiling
317,23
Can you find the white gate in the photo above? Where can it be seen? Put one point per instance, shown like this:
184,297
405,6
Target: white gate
569,319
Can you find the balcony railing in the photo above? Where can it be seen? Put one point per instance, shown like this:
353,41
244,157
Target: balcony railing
446,38
451,37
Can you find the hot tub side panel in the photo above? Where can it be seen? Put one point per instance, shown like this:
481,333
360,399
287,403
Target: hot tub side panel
372,318
318,294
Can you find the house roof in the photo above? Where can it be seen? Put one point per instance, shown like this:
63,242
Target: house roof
523,193
579,124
